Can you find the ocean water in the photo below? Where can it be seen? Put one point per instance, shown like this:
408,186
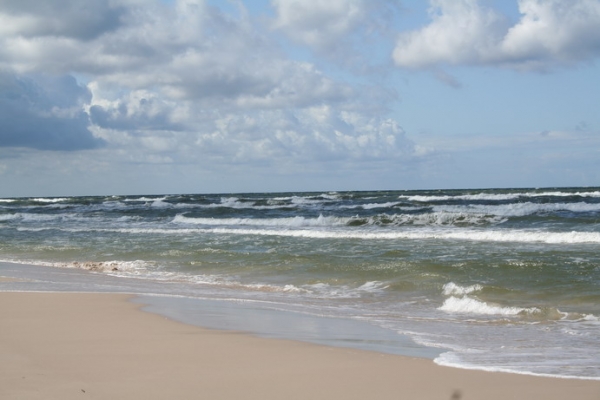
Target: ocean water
501,280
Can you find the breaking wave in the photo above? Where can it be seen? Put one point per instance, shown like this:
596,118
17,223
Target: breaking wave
439,218
468,305
498,196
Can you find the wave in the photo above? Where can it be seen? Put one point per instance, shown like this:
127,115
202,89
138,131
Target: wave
433,219
486,236
442,214
236,203
454,360
454,289
34,217
475,236
468,305
416,214
460,302
148,270
145,199
325,290
50,200
519,209
497,196
437,218
93,266
446,215
371,206
287,222
299,200
480,196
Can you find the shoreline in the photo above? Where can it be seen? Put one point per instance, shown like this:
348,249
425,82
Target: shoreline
102,345
231,314
227,313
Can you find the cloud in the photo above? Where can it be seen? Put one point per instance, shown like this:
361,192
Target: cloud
314,134
461,31
550,33
59,18
316,23
189,51
44,113
335,28
554,31
182,83
138,110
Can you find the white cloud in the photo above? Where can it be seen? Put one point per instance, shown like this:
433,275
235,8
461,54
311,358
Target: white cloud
137,110
554,31
187,78
337,28
549,33
460,31
319,24
317,133
189,51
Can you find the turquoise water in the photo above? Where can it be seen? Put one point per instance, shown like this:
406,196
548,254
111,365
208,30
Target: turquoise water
492,279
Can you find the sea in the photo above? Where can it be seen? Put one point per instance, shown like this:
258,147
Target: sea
495,279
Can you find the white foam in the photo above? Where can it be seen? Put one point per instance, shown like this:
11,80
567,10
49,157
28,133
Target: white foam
146,199
94,266
325,290
491,236
331,195
269,288
235,203
454,289
34,217
497,196
371,206
373,286
565,194
159,203
443,217
452,359
50,200
297,200
517,209
106,266
485,236
468,305
8,217
283,222
399,219
480,196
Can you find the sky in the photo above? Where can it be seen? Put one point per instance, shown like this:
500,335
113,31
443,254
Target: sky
103,97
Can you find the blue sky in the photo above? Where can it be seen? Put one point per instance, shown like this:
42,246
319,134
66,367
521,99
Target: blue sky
200,96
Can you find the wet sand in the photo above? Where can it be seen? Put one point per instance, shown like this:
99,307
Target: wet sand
101,346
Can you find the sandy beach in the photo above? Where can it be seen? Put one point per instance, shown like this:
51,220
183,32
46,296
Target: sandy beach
101,346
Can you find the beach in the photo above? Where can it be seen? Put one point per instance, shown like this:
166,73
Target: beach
101,346
497,280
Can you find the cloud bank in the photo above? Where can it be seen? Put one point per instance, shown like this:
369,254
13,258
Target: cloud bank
177,81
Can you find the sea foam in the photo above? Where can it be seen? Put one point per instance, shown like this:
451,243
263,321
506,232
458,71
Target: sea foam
468,305
454,289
